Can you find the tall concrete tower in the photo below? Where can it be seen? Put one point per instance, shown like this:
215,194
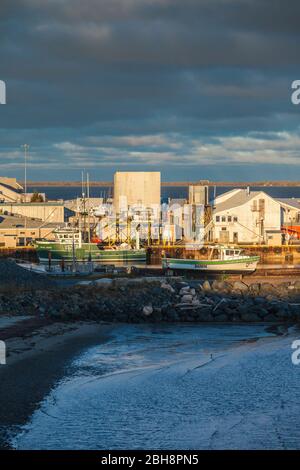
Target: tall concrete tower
136,188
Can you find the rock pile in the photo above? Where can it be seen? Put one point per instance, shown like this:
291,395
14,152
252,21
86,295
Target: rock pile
138,300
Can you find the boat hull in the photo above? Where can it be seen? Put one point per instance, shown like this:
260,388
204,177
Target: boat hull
212,266
86,252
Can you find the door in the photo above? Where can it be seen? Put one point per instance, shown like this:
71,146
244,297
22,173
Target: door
224,236
235,237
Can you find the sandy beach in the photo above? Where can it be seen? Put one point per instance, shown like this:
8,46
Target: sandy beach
36,359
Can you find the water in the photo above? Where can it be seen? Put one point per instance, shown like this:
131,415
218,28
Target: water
71,192
174,387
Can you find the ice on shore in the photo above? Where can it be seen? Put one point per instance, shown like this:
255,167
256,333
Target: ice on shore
175,387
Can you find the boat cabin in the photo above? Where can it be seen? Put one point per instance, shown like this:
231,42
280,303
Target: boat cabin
231,254
68,236
226,253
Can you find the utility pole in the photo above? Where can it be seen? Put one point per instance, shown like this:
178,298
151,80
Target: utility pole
88,206
149,238
25,148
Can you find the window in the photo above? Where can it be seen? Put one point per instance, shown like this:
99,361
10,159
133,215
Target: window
235,219
229,218
261,204
223,218
217,218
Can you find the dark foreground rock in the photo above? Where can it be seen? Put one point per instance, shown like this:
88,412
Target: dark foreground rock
14,278
137,300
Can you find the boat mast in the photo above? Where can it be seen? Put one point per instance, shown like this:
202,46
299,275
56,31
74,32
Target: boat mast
83,194
73,255
88,205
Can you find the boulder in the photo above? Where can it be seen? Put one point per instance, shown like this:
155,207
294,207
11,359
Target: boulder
263,312
271,318
294,308
184,290
168,287
297,285
147,310
267,288
250,317
206,286
121,282
254,288
84,283
104,282
259,301
215,285
240,286
222,286
204,314
186,298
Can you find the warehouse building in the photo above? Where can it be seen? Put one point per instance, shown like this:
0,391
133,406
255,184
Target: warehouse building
20,231
244,216
52,212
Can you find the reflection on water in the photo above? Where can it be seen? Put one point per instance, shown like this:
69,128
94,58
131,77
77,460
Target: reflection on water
174,387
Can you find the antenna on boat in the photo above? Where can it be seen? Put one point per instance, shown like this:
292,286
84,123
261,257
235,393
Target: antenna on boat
88,205
82,184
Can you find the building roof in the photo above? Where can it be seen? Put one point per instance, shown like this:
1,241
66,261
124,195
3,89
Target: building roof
11,188
48,203
11,222
289,202
238,199
227,193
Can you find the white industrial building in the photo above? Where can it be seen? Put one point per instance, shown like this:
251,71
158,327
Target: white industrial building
251,217
136,188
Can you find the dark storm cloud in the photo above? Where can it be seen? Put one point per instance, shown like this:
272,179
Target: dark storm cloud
143,83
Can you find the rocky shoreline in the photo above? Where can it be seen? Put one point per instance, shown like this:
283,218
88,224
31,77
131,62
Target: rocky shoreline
158,299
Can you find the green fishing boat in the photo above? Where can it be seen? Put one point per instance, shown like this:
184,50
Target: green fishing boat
221,259
68,245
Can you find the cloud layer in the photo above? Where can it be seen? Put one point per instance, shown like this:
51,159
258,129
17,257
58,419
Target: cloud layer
199,88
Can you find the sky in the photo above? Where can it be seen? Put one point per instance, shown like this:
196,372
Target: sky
196,89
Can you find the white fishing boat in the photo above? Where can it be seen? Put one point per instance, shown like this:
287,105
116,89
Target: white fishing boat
76,269
221,259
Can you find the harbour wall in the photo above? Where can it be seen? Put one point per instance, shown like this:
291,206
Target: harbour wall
281,255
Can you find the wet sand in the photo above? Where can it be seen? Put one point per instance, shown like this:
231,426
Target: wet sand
35,363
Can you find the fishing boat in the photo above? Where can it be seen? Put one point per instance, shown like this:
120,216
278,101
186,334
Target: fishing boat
221,259
69,245
78,269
